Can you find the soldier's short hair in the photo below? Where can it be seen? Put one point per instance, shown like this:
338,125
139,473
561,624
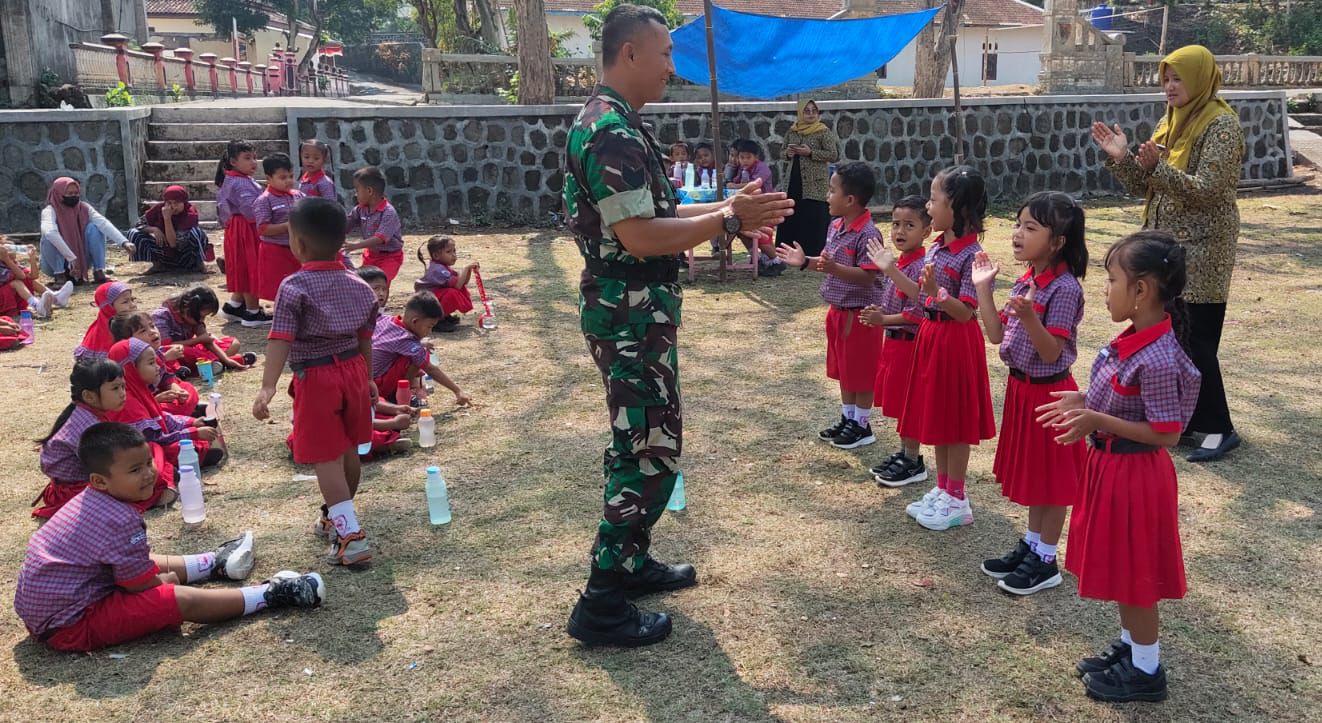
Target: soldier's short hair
622,25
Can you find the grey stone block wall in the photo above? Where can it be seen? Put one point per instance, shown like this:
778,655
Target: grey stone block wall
464,162
36,147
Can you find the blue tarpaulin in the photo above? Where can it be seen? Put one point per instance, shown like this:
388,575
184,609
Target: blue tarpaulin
758,56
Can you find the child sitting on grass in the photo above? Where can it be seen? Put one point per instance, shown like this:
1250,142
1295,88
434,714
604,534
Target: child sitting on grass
21,289
89,579
174,395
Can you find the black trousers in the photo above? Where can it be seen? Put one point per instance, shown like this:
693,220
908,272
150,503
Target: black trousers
1212,415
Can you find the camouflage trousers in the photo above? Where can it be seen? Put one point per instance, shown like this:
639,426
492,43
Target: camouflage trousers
639,367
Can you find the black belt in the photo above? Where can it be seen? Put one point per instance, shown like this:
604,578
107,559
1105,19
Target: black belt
1119,445
1057,377
938,315
655,272
900,334
322,361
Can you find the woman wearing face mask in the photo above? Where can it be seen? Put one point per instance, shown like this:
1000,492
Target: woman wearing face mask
74,235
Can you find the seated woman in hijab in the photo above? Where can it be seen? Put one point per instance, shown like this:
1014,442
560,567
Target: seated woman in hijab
170,237
74,235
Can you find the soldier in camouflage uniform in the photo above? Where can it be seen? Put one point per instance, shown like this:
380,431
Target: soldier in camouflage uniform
624,216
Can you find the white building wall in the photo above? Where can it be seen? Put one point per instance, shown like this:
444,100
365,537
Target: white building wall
580,43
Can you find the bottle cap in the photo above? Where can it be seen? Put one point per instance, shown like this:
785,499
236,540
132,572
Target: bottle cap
402,384
433,470
188,442
186,469
424,413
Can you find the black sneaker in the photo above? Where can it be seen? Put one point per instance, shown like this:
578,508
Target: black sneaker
876,471
1032,575
1123,683
1002,566
256,319
249,358
289,589
853,436
233,559
233,312
770,271
656,577
830,433
902,471
1119,650
447,325
183,372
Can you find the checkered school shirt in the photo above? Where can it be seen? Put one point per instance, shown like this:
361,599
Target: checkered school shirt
322,309
272,207
381,222
236,197
318,185
93,545
1145,377
438,276
392,341
849,247
894,301
59,455
954,268
1058,301
6,275
173,327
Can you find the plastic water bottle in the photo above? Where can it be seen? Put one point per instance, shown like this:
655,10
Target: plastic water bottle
438,497
403,395
188,455
25,323
426,429
427,384
207,373
192,507
365,448
677,501
213,406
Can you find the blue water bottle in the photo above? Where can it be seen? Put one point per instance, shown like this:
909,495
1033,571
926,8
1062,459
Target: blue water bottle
188,456
677,501
207,372
438,497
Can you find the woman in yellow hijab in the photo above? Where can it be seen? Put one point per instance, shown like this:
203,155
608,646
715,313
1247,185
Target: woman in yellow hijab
810,148
1189,173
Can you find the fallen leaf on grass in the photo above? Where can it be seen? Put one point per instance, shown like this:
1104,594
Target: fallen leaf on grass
1303,658
923,582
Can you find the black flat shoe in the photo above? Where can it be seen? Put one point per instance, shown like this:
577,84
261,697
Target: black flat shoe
1119,650
657,576
1123,683
1204,454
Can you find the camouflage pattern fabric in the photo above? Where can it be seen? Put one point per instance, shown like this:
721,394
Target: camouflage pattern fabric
615,171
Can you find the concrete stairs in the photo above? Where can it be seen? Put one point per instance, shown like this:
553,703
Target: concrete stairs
185,143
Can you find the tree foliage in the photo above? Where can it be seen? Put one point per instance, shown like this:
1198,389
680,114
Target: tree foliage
594,20
459,26
347,20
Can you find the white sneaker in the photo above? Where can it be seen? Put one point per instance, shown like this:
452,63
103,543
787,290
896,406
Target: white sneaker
919,506
39,307
947,512
63,295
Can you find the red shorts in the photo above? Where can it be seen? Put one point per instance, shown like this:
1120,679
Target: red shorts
118,618
396,372
454,300
10,302
888,394
9,342
332,410
274,263
853,350
241,263
387,262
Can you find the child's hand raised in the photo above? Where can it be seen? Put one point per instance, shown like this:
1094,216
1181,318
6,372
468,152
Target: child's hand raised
1077,423
792,255
1050,414
1021,308
984,271
929,280
871,316
261,406
880,255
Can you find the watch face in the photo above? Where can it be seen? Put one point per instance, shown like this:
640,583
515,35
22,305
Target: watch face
732,224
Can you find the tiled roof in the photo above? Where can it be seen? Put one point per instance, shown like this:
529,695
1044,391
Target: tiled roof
979,13
692,8
187,8
976,12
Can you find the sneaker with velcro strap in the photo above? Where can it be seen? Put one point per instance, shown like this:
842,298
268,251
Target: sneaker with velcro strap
1032,575
828,434
853,436
1007,563
903,471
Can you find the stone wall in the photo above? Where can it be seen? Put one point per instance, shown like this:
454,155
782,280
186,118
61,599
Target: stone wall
489,161
102,149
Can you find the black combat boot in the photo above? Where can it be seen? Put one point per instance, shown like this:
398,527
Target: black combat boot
604,615
657,576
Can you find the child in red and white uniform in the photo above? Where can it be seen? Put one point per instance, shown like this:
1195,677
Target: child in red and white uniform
237,191
96,387
172,393
899,314
89,579
313,155
852,348
324,319
377,222
1038,335
20,289
182,319
398,351
1125,529
111,298
271,216
949,401
142,412
449,286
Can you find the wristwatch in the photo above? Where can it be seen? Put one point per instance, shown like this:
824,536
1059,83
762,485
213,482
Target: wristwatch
942,295
732,223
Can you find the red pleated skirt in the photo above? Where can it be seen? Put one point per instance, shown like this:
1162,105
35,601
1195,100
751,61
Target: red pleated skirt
892,388
1032,469
275,262
56,494
949,397
1124,543
187,406
196,353
241,266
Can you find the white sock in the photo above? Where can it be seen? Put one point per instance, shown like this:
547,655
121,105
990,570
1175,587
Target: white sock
862,416
848,410
1212,441
1125,637
198,567
1045,551
344,518
254,598
1033,539
1147,657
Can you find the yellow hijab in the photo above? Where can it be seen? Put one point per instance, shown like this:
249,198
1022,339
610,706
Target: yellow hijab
803,127
1182,127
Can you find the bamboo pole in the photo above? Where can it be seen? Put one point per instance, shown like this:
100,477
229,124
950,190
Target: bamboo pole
715,119
1165,20
959,109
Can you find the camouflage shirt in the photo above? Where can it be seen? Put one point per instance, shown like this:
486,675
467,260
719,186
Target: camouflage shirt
615,170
